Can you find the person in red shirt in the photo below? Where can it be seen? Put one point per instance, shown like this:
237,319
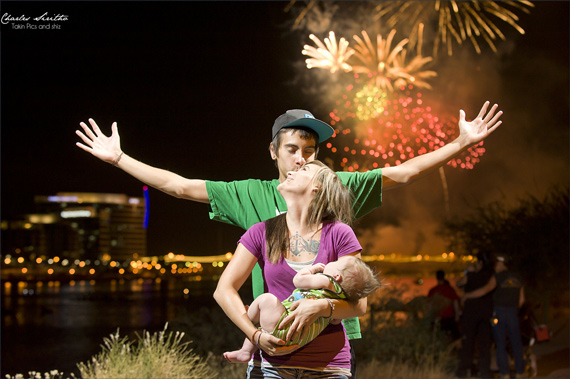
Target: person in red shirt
449,313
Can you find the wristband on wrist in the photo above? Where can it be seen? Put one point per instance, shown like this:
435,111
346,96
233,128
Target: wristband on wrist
258,338
252,339
332,307
116,162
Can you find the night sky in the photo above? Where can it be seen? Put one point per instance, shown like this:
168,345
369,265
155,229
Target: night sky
195,88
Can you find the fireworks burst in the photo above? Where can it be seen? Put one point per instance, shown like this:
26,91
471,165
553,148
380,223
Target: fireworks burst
457,21
382,64
406,128
361,101
307,8
330,55
369,102
388,66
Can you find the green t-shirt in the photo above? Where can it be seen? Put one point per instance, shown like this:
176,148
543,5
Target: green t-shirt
246,202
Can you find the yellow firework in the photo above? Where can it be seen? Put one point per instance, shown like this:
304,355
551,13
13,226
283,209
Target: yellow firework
369,102
457,21
388,65
330,54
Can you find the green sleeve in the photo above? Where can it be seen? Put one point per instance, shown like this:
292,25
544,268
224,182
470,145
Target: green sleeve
244,202
352,326
366,188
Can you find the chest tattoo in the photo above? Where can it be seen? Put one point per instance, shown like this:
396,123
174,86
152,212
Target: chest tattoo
299,245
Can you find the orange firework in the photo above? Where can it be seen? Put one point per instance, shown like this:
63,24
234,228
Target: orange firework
405,129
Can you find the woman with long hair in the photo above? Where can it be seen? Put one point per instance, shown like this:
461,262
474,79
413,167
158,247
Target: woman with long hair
313,230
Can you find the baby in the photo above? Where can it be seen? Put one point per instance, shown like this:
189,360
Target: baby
348,278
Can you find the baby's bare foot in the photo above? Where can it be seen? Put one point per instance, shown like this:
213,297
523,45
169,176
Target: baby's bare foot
238,356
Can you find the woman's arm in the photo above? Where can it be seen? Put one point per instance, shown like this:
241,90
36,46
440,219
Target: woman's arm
305,311
227,296
226,293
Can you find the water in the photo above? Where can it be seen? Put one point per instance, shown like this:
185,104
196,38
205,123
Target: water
47,326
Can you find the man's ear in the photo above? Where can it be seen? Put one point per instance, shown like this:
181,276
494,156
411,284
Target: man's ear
272,151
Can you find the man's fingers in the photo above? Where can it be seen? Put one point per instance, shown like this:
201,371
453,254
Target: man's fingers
490,113
461,115
483,110
114,129
82,146
88,131
495,119
492,129
85,139
94,126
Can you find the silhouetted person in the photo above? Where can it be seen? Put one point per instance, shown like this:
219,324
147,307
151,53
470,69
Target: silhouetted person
448,315
476,320
508,297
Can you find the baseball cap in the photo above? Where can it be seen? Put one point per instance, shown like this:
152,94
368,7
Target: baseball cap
302,118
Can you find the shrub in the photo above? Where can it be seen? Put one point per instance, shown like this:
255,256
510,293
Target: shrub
160,355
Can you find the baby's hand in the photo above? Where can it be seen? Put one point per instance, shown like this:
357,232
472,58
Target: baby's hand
319,267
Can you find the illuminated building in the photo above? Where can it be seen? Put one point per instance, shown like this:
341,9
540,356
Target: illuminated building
94,226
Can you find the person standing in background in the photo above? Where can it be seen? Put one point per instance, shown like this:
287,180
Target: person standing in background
508,298
448,315
475,320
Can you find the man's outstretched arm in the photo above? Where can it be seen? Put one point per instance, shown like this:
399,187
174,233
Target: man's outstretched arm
108,149
470,133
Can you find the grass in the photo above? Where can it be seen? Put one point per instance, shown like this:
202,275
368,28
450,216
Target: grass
157,356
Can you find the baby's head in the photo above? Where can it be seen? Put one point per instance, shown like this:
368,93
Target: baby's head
355,277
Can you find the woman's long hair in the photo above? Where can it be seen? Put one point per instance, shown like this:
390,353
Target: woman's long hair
332,202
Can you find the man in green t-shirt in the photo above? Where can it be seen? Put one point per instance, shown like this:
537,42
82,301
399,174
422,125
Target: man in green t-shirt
296,135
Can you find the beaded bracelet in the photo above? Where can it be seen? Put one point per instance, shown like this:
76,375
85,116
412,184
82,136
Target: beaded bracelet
332,307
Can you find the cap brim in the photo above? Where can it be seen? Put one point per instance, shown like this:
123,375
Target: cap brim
324,130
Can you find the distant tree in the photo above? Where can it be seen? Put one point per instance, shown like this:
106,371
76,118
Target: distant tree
534,233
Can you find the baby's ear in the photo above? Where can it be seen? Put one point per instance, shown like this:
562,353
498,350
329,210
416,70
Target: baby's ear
338,277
